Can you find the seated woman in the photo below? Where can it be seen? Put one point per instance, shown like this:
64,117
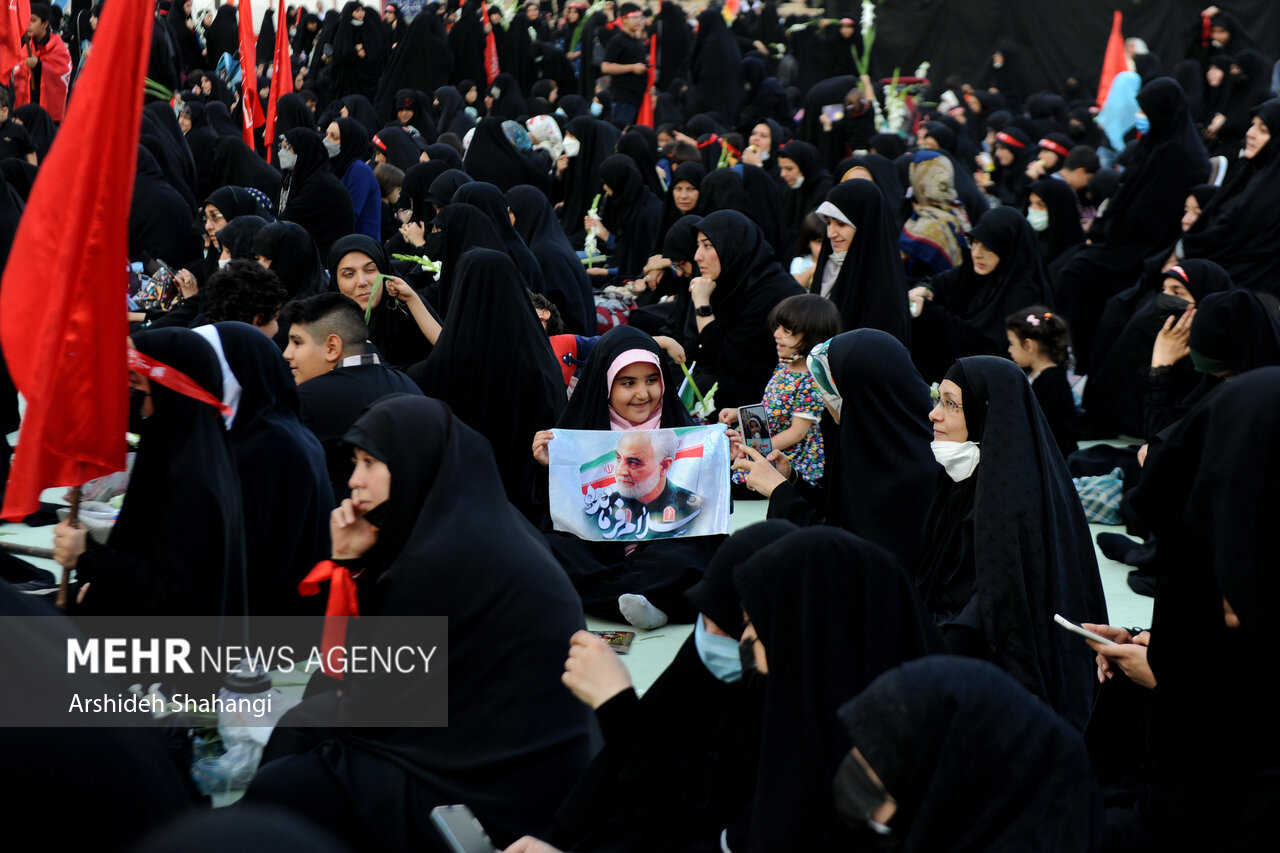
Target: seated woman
623,387
165,557
932,238
494,366
430,531
962,311
402,325
1209,496
860,268
879,472
931,764
723,325
628,229
651,740
1006,545
826,613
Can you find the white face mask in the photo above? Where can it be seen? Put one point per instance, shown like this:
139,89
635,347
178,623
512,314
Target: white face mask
572,147
960,458
1039,219
332,147
356,23
222,263
799,183
288,159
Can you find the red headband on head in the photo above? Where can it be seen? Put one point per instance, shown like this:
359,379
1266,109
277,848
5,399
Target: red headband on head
1009,140
1179,273
1050,145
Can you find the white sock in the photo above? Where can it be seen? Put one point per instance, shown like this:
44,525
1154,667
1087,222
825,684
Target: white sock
637,610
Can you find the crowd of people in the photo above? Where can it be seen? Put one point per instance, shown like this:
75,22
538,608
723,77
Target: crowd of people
469,231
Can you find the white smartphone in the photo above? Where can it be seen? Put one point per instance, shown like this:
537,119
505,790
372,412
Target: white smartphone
1083,632
460,830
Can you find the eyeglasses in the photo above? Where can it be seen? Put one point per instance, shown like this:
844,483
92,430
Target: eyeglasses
948,406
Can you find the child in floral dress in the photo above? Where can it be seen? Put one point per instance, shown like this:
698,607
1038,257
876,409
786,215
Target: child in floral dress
791,398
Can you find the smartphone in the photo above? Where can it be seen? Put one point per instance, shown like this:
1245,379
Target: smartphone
753,423
1083,632
460,830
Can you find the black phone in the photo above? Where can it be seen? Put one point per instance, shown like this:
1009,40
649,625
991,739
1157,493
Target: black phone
460,830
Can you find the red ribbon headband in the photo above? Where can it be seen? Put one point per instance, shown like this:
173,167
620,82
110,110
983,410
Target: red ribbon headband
174,380
1009,140
1050,145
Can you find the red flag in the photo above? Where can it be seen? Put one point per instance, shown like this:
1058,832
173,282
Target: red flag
1114,60
13,25
491,69
645,115
250,106
281,78
64,330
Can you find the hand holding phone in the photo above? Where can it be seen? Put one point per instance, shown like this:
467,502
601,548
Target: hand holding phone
460,830
753,422
1083,632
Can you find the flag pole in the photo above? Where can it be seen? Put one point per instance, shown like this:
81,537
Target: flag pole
74,519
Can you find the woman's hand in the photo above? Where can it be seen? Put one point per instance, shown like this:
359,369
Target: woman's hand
1173,342
598,272
917,296
1129,655
729,416
400,289
593,671
562,164
751,155
540,450
68,544
654,269
414,233
762,477
700,290
350,534
593,224
187,284
780,461
982,179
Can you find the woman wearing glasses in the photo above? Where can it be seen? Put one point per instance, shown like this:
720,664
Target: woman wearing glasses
1006,545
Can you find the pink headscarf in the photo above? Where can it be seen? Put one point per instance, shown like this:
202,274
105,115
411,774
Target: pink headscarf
634,356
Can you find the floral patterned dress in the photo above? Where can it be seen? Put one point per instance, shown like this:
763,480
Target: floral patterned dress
792,394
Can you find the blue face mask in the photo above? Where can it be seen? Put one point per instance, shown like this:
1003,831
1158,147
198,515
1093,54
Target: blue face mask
596,108
719,654
1143,125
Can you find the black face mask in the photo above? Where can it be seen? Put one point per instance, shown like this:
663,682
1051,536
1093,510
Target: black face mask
434,245
1167,305
136,398
751,674
857,797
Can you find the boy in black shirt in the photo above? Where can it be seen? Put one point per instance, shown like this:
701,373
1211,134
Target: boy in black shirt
626,60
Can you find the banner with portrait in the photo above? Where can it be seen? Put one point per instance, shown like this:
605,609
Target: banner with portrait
640,485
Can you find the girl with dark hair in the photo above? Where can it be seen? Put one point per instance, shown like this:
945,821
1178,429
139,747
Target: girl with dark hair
791,398
1040,343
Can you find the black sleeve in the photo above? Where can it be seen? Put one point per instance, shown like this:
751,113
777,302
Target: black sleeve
798,502
1158,399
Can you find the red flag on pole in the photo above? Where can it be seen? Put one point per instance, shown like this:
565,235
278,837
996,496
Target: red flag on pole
491,69
250,106
64,331
14,21
1114,60
645,115
281,78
